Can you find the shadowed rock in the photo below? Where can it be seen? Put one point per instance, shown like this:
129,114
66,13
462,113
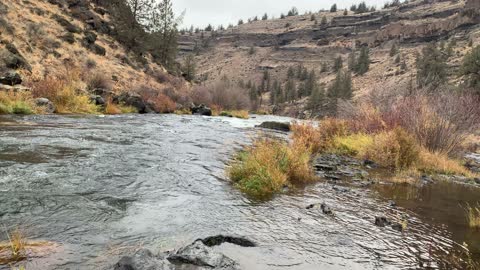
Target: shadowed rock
275,126
220,239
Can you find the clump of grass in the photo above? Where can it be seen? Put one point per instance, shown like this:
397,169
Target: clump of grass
127,109
268,165
183,111
319,139
16,103
111,108
430,162
353,145
473,216
243,114
15,249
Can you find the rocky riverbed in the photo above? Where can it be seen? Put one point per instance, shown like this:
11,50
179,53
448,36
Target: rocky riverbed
131,191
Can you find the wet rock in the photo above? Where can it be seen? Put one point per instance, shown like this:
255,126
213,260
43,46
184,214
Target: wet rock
326,209
220,239
397,227
201,110
275,126
392,203
142,260
341,189
310,206
332,177
324,167
11,78
382,221
198,254
46,104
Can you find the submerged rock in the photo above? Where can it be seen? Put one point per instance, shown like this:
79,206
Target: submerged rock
326,210
275,126
220,239
397,227
382,221
142,260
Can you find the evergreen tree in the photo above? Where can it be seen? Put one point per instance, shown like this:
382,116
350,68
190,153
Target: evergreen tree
324,21
353,8
352,61
362,8
337,64
265,17
345,12
431,67
363,61
310,83
164,33
316,99
324,67
341,88
240,22
333,8
397,59
393,50
290,72
290,91
313,18
293,12
471,68
209,28
141,11
189,67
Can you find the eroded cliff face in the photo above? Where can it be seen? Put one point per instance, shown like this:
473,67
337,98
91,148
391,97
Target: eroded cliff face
283,43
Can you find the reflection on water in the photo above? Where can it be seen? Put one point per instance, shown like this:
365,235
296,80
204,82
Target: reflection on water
102,186
442,204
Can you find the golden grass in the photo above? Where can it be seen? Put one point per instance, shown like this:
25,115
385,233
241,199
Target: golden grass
440,163
268,165
473,216
354,145
20,102
183,111
15,249
243,114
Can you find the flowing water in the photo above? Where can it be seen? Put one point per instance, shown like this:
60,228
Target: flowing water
100,187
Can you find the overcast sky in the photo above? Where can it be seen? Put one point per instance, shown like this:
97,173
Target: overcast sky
202,12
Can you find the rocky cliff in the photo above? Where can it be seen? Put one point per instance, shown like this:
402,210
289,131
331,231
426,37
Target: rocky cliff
283,43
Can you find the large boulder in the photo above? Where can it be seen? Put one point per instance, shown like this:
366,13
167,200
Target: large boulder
198,254
46,104
201,110
11,78
135,101
141,260
275,126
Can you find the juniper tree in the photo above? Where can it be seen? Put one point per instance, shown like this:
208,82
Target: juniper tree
189,67
324,20
290,72
337,63
333,8
431,67
341,88
345,12
265,17
316,99
363,61
471,68
393,50
290,90
352,61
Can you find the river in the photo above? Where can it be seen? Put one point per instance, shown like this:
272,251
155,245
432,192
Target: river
101,187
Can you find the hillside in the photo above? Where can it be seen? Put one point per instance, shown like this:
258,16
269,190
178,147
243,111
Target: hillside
55,43
244,52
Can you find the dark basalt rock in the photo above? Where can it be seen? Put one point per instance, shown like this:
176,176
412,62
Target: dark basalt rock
198,254
220,239
397,227
275,126
326,210
201,110
142,260
133,100
48,106
11,78
382,221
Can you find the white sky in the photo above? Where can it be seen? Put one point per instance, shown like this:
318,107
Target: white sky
202,12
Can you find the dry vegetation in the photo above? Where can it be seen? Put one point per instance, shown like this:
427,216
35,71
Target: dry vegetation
409,144
473,216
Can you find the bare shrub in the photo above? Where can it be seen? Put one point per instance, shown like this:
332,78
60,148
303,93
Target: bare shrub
222,93
440,122
161,103
99,80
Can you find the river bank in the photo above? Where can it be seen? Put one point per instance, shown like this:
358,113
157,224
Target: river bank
158,182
